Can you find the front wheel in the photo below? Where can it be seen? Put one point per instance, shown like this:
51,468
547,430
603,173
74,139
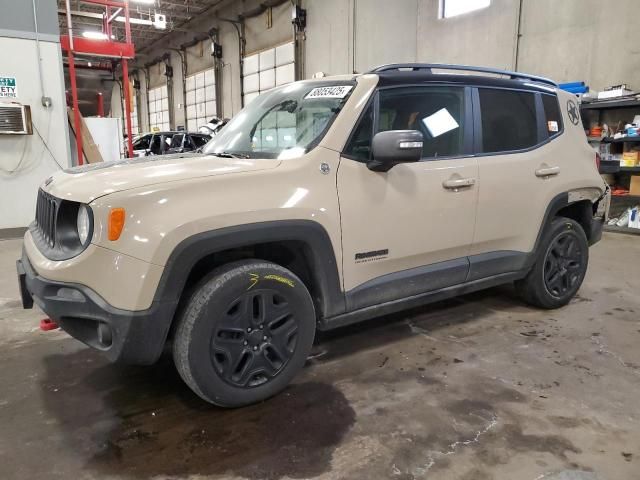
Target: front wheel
560,268
244,334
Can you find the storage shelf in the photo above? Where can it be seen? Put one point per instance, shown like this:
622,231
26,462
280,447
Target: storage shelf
616,229
625,196
614,167
626,102
621,140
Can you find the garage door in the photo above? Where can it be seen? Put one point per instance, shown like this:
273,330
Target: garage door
159,109
201,98
267,69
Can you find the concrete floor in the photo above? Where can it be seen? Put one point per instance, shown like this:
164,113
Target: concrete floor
479,387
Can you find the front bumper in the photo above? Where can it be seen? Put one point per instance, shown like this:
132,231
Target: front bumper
133,337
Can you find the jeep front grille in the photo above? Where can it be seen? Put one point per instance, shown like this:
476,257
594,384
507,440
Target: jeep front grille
46,212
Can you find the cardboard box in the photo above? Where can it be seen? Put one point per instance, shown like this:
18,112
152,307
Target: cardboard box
634,188
629,159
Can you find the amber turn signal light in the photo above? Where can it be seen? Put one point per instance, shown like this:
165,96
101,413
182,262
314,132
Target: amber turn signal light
116,223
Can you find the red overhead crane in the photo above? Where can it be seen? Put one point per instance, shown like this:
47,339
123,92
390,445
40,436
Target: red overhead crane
101,48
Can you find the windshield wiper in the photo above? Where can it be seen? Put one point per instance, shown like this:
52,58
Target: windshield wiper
230,155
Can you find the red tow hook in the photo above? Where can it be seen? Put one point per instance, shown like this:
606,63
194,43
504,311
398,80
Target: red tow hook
47,324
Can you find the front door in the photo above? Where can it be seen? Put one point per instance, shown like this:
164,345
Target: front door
409,230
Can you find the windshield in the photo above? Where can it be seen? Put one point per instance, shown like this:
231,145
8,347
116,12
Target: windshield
285,122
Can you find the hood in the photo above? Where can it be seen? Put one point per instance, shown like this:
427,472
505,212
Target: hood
88,182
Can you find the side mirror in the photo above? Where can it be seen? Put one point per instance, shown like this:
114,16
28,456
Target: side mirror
393,147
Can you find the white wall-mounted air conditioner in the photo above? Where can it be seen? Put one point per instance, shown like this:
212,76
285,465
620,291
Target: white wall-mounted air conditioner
15,119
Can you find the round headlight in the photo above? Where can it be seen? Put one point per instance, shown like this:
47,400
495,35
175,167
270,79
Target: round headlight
83,224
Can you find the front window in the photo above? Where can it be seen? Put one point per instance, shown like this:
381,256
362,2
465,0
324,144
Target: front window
437,112
283,123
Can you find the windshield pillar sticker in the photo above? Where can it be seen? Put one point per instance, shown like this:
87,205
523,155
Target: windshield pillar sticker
337,91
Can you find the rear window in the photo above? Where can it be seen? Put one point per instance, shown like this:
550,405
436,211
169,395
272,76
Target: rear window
508,120
553,120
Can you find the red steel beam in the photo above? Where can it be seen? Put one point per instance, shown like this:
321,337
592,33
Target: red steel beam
107,3
100,101
98,48
97,66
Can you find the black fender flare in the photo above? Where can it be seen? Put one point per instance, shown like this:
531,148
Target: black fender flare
324,268
556,204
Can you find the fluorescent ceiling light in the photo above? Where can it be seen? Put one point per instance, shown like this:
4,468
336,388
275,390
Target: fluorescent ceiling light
137,21
94,35
148,2
453,8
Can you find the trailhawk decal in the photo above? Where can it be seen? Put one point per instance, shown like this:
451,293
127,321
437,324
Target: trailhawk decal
371,256
254,278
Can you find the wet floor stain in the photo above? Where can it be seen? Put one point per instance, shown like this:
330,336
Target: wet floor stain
143,422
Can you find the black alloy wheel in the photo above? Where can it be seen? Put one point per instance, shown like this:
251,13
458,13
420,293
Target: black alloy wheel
254,338
563,265
244,333
560,266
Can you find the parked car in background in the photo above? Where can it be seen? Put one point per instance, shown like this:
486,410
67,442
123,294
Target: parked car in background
213,126
161,143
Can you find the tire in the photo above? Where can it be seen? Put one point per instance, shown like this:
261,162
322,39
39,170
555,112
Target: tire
560,267
244,334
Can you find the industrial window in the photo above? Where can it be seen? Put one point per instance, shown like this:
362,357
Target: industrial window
508,120
267,69
453,8
159,109
201,99
552,113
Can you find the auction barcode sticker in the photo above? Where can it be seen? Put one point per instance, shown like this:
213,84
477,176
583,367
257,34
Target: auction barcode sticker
337,91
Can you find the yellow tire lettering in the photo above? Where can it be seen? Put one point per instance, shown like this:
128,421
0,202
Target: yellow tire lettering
280,279
253,279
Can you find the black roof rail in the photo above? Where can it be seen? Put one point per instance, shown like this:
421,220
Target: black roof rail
428,67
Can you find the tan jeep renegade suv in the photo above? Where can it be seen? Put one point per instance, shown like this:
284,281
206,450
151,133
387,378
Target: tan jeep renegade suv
322,203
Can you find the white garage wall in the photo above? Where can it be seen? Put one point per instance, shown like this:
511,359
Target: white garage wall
27,160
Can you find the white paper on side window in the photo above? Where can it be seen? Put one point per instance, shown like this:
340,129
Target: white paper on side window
337,91
440,122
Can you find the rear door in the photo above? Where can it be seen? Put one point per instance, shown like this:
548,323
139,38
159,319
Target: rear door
408,231
520,173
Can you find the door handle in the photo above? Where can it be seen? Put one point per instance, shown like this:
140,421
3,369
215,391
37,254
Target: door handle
456,183
547,171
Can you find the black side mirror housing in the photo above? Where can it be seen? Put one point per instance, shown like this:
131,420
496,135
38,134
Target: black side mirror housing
393,147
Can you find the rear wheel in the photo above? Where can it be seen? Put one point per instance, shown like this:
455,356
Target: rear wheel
561,266
244,334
